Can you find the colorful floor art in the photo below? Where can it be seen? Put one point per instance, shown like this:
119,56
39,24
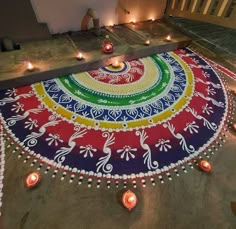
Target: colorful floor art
142,119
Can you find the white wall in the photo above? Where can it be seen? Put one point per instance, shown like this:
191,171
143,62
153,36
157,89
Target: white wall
66,15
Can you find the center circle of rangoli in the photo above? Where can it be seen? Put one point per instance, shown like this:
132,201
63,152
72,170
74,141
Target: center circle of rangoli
125,73
145,117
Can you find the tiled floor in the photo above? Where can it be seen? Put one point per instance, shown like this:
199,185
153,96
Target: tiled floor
220,40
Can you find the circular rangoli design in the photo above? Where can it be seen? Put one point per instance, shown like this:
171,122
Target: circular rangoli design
147,116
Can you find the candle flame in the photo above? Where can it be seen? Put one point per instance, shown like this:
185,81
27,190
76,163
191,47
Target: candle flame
111,24
205,164
108,47
80,55
33,177
168,38
147,42
131,199
30,66
116,64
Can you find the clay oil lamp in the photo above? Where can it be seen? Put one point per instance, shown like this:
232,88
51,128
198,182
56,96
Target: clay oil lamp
32,179
129,200
205,166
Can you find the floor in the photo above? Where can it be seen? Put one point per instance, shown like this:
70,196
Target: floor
192,200
218,39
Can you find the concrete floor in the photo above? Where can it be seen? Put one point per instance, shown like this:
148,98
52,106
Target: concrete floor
193,200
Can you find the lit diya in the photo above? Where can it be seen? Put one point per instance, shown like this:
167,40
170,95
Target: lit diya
129,200
205,166
108,47
32,179
168,38
30,66
116,64
79,56
147,42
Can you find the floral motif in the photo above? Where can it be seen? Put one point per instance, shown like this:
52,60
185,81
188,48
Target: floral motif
196,61
87,150
31,123
210,91
17,107
106,118
192,127
127,152
53,138
163,145
11,92
206,74
207,109
129,77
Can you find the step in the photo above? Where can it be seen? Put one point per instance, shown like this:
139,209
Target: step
56,57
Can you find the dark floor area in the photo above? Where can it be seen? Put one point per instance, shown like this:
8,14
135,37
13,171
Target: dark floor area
218,39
